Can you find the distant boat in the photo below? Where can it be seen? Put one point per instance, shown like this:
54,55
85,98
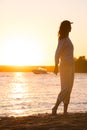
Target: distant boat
40,71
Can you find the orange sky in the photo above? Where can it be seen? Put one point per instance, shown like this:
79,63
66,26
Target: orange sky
28,29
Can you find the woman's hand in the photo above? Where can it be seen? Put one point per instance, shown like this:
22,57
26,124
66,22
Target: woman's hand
56,70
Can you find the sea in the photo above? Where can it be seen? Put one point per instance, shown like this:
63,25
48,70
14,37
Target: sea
26,93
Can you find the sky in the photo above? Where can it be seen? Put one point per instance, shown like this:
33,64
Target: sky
28,30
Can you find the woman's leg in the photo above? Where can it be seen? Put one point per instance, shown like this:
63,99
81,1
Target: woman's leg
70,80
65,108
54,109
66,77
63,92
61,97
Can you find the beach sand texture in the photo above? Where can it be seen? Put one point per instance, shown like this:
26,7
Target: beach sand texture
72,121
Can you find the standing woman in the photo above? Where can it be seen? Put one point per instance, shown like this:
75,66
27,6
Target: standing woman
64,52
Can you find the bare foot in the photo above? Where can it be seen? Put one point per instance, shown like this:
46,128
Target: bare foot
54,113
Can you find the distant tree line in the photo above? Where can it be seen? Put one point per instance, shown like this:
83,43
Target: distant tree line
81,64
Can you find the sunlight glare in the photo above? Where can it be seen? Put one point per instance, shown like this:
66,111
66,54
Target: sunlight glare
23,51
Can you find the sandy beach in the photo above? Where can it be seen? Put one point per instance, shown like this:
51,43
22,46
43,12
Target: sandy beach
72,121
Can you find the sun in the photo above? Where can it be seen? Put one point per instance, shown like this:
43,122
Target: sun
22,51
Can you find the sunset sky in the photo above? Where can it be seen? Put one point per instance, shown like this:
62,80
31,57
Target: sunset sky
28,29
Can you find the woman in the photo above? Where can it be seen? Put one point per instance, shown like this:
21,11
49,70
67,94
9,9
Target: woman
64,53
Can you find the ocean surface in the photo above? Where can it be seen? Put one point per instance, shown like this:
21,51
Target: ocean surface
24,94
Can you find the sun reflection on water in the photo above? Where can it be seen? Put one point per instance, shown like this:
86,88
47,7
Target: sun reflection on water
18,93
18,86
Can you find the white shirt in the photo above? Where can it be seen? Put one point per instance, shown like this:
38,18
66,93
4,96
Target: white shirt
64,51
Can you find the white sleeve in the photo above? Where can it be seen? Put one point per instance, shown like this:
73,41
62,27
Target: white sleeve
58,52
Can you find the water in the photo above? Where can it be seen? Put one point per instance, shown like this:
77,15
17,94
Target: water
23,94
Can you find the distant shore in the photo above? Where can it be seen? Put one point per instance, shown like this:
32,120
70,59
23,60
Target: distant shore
5,68
24,68
72,121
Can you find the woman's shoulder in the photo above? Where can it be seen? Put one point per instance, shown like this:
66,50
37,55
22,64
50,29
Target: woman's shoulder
67,40
63,41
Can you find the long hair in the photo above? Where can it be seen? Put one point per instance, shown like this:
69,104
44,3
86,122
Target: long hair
65,28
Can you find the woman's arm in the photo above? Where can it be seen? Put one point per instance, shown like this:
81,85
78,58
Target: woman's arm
57,56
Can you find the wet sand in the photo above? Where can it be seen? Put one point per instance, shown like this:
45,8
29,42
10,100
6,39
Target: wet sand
72,121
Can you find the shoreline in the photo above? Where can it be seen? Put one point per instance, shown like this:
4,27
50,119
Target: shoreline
72,121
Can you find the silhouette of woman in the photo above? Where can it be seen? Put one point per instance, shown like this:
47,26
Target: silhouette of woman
64,53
